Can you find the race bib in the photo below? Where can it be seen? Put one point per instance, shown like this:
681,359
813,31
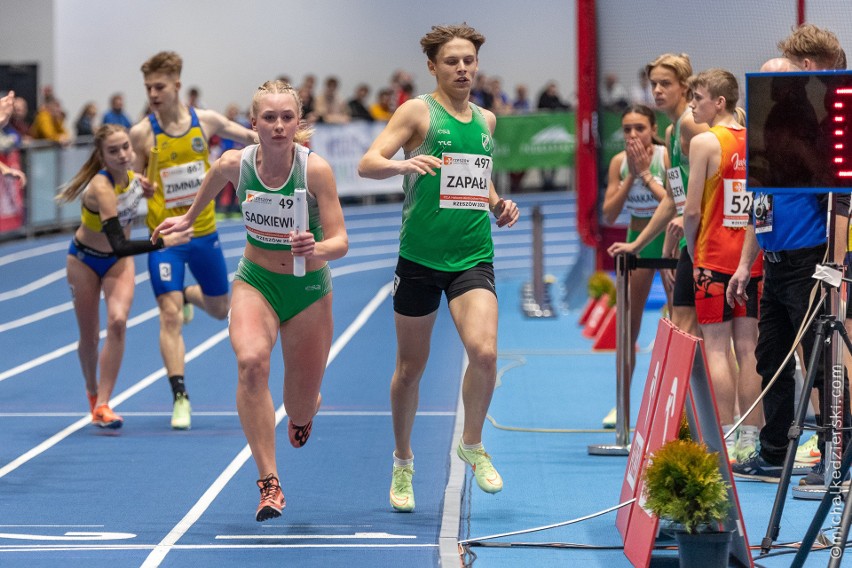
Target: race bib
763,213
678,191
269,218
181,183
737,204
128,202
464,181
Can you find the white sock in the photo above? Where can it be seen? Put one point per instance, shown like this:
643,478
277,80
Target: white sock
731,440
402,463
470,447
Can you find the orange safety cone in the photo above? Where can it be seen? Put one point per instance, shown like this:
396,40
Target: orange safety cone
587,310
605,338
596,317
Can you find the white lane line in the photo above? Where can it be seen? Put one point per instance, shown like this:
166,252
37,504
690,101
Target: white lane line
55,310
30,253
156,557
85,421
357,535
100,547
32,286
448,537
64,350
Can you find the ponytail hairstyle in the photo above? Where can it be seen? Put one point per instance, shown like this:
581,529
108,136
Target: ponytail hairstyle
646,111
276,87
71,190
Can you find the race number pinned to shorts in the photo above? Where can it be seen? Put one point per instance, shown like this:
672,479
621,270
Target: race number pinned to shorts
737,204
269,218
464,181
763,213
678,190
181,183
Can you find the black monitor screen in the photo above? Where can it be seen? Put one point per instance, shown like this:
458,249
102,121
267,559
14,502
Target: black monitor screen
799,137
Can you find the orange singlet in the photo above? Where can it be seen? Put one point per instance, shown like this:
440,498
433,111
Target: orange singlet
725,208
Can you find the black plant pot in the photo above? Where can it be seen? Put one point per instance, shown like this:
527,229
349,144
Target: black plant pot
703,550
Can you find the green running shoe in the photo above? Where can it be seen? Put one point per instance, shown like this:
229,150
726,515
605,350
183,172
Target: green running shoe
181,415
486,476
401,491
188,312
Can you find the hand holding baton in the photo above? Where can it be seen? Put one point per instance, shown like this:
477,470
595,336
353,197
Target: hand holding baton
301,224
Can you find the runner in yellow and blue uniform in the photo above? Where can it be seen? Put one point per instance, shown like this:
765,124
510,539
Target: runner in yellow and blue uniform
109,195
172,145
445,244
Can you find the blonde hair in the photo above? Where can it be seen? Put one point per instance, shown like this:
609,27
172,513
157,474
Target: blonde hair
279,87
678,64
719,83
811,42
435,39
93,165
167,62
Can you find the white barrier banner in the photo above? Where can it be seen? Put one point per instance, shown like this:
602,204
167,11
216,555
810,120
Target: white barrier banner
343,145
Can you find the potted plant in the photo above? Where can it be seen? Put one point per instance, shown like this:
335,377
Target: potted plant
683,485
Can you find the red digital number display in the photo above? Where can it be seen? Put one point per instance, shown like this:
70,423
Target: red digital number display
840,105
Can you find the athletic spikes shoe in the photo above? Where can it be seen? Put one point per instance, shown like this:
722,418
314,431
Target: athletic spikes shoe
808,451
182,412
299,434
104,417
93,400
401,490
486,476
755,467
746,442
272,500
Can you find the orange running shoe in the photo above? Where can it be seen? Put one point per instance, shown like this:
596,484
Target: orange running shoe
271,499
299,434
93,399
104,417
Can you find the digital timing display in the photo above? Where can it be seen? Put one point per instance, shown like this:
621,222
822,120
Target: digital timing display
799,137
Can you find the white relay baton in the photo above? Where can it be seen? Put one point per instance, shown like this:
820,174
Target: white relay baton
301,214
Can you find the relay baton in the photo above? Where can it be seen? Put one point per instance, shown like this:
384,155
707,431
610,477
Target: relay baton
153,169
301,224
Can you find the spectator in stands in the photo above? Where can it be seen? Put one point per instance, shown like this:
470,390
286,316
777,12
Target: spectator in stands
613,96
549,98
19,119
7,106
194,98
116,115
479,93
85,124
306,93
521,103
49,123
381,109
402,86
500,103
640,93
328,107
357,107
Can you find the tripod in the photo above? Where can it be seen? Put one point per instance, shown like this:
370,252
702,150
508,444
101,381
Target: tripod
826,327
839,542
